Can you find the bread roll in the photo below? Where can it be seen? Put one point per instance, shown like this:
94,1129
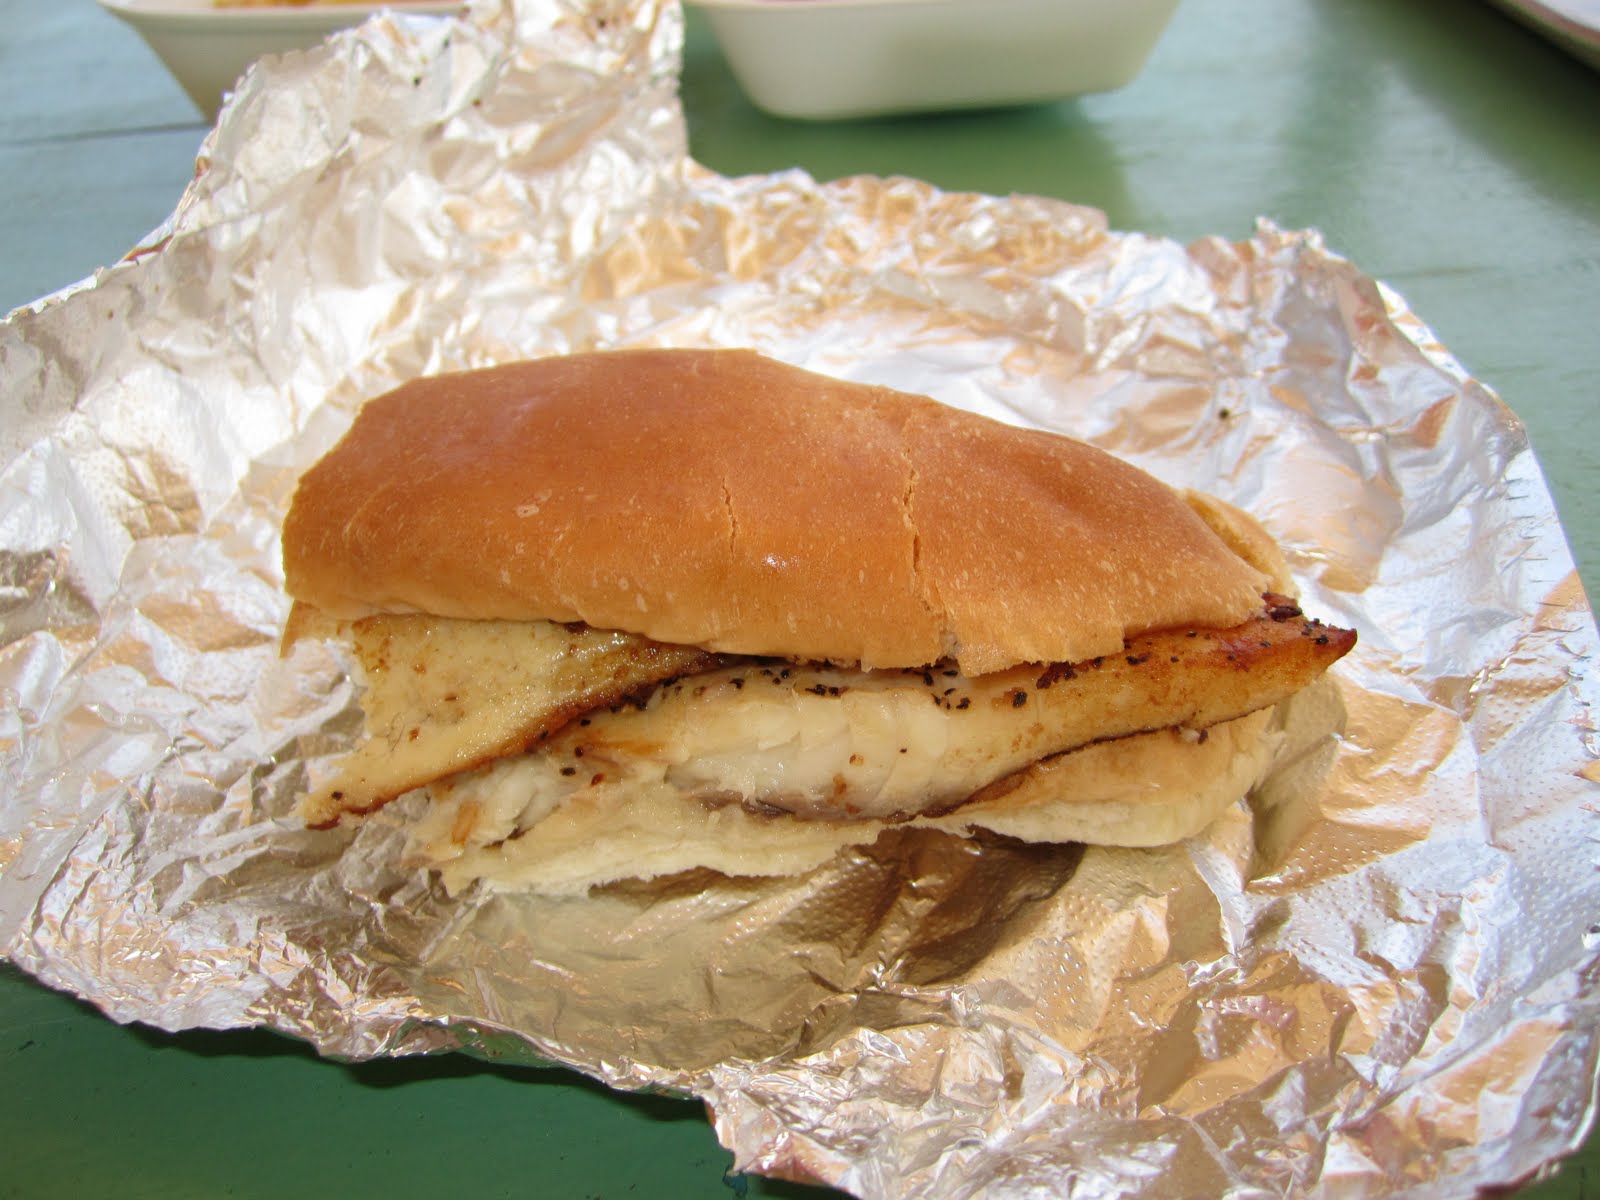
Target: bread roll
720,499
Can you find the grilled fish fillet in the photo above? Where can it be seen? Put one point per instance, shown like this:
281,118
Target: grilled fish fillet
445,697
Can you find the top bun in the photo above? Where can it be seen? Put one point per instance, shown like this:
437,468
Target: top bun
721,499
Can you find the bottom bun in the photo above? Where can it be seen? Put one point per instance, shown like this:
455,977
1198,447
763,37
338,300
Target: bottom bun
1146,790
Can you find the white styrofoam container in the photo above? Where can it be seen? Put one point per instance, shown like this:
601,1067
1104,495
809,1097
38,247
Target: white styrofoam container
818,59
207,47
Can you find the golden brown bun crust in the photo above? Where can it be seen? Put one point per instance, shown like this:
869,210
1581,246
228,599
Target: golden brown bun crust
725,500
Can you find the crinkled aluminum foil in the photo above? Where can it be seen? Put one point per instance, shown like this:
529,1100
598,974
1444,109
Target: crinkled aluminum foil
1380,981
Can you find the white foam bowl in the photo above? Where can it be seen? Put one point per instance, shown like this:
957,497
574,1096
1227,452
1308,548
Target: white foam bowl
207,48
816,59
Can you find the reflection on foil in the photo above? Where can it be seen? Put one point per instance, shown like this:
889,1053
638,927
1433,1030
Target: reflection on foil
1377,979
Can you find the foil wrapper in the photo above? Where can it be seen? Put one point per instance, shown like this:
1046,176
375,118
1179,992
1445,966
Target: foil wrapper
1377,978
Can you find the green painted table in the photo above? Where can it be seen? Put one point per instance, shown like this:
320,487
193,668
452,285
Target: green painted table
1442,147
